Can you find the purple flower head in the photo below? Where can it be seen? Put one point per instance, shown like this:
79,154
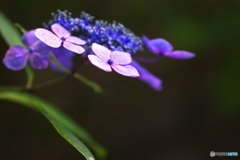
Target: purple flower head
60,36
162,47
17,56
64,57
106,59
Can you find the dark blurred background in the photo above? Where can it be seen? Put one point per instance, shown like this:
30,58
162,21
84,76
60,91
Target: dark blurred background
197,112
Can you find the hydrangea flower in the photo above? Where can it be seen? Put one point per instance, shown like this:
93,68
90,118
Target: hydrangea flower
61,36
107,45
106,59
17,56
162,47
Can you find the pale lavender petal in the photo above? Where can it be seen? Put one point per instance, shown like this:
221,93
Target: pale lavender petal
157,46
126,70
99,63
119,57
29,38
60,30
39,61
73,47
180,54
148,77
48,37
16,58
76,40
101,51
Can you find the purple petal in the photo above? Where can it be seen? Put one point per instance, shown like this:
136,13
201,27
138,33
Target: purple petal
64,57
101,51
39,61
119,57
40,47
148,77
60,31
126,70
76,40
48,37
99,63
62,52
29,38
16,58
157,46
73,47
180,54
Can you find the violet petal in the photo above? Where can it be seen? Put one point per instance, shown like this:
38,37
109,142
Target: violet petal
48,37
39,61
29,38
101,51
73,47
126,70
96,61
60,30
119,57
148,77
40,47
16,58
64,57
157,46
178,54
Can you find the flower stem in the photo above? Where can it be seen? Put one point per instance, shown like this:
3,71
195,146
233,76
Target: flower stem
48,83
30,76
11,88
78,76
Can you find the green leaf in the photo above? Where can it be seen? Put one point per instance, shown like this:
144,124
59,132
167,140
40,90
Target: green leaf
9,32
69,136
63,124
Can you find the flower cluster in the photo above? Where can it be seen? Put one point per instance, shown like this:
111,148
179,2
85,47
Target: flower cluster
106,45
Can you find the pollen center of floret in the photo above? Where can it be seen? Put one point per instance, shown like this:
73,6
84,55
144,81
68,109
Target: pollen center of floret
30,49
63,38
110,61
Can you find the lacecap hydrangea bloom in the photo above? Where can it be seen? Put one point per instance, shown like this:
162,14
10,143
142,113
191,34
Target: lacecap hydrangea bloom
108,46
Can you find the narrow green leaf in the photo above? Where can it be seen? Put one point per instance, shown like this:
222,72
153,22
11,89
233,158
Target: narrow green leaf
59,118
68,136
9,33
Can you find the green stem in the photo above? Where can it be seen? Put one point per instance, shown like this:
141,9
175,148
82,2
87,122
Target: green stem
30,76
11,88
89,83
78,76
48,83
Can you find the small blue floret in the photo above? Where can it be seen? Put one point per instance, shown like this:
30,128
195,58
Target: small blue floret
110,61
111,35
63,38
30,49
